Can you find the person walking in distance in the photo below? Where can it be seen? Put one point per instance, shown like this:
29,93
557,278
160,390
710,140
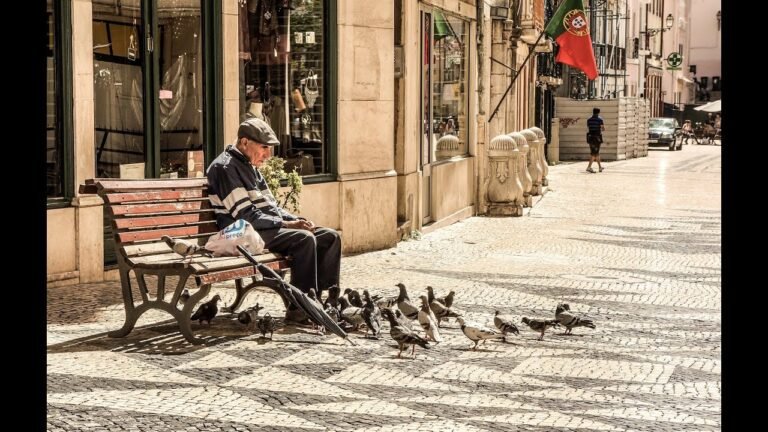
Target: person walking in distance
595,128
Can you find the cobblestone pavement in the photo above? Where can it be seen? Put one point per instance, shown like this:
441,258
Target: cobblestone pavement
636,248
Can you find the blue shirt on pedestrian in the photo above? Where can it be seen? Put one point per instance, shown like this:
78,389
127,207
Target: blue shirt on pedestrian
594,124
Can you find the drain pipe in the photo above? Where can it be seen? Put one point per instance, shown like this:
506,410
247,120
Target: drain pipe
480,151
480,12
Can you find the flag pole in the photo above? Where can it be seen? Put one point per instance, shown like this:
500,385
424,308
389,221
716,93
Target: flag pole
517,74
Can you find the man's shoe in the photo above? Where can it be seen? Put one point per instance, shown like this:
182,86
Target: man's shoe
590,170
601,169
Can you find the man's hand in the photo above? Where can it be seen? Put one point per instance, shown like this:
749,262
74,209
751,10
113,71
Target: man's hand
299,224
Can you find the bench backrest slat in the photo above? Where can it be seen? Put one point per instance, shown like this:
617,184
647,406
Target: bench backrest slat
161,207
164,220
163,195
175,232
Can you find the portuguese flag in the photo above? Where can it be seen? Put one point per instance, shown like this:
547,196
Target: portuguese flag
569,28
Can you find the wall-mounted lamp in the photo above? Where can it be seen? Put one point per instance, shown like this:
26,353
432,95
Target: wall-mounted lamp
499,9
669,22
499,12
719,16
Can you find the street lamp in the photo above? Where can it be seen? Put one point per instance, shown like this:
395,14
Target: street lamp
670,21
719,17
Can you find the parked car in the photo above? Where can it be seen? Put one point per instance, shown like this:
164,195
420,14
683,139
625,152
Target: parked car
663,131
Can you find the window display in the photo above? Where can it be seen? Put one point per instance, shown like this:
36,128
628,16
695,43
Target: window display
281,80
444,83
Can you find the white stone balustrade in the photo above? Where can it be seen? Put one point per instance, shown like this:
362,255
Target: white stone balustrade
534,165
447,147
505,192
542,142
522,164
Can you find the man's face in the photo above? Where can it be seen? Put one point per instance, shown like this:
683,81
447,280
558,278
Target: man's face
256,152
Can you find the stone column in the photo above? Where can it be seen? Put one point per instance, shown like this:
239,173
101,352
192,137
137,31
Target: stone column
554,141
522,167
542,158
534,165
505,193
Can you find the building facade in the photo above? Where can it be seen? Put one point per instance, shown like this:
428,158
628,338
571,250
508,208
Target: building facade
385,107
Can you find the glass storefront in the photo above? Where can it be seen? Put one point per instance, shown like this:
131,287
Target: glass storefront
444,84
53,145
282,76
145,82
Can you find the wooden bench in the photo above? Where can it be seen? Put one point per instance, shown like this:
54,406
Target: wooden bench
141,211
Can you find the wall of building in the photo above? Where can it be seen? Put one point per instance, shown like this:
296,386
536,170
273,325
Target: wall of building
62,243
706,39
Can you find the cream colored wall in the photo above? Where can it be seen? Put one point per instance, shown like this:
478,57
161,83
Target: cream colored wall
368,218
452,184
61,241
366,87
320,204
366,157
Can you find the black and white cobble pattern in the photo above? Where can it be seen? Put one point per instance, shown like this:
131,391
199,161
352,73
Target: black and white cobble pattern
635,248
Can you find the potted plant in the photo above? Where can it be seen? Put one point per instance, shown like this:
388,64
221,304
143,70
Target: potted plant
287,196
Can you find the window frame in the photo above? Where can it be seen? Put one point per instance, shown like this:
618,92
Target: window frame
62,59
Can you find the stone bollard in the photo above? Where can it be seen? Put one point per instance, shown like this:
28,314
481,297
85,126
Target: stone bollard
534,164
542,157
447,147
505,193
522,164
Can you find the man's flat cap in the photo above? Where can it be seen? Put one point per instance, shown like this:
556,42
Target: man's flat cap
257,130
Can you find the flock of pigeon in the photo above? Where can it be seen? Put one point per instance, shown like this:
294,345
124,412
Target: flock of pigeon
352,312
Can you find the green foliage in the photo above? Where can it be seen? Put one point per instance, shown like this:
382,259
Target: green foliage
273,170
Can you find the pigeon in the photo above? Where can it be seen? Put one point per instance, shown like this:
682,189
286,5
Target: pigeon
441,311
333,297
540,325
405,305
351,314
564,316
447,301
267,324
207,311
184,296
505,324
449,298
428,321
477,332
431,296
250,316
404,336
184,248
353,297
371,315
401,319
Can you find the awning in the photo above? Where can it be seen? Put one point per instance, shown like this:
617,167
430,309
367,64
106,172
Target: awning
709,107
685,79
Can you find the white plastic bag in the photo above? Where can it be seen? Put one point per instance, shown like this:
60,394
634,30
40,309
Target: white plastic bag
239,232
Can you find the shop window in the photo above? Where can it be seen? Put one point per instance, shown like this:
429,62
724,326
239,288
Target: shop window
148,122
58,142
53,151
449,79
283,77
